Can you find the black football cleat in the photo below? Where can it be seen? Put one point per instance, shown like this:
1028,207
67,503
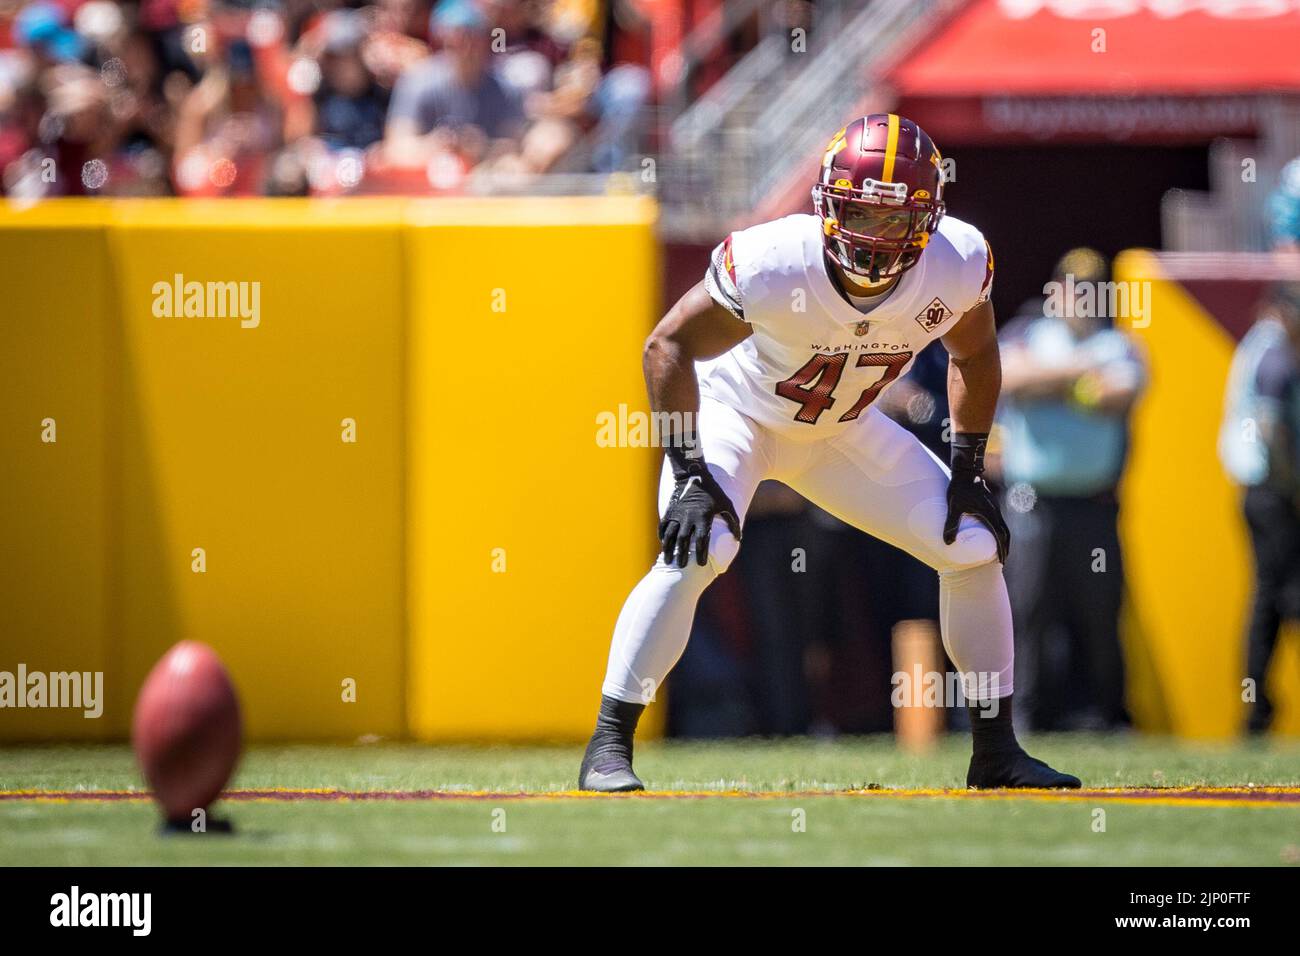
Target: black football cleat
607,764
608,775
1016,770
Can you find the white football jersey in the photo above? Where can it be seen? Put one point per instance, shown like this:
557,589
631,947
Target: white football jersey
815,362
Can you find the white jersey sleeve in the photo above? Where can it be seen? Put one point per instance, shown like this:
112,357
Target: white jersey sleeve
971,263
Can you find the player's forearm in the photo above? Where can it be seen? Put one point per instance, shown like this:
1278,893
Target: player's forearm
670,379
974,383
695,329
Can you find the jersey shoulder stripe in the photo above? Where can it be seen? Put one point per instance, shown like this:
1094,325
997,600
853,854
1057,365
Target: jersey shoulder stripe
720,279
987,287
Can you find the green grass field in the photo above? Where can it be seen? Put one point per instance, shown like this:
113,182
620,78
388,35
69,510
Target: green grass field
801,780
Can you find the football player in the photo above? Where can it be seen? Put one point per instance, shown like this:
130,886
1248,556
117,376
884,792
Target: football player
772,363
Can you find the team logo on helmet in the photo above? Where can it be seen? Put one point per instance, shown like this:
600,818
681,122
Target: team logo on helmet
837,143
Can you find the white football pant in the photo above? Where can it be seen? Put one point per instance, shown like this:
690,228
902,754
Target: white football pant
876,476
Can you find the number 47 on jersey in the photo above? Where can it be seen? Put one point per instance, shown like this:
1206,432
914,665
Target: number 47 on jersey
812,387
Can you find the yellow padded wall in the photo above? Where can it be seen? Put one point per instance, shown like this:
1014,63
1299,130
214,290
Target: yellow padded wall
181,430
232,442
527,322
56,498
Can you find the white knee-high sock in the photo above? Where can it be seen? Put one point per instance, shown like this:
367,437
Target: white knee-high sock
975,619
652,630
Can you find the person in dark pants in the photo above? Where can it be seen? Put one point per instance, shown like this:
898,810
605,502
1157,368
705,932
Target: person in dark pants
1066,605
1275,539
1069,382
1260,448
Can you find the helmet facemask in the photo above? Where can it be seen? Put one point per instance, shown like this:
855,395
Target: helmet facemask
875,232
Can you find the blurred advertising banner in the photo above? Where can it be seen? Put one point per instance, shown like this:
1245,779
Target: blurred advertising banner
1127,70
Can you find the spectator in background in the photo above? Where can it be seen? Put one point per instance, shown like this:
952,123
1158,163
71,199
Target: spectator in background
619,104
1284,208
43,29
397,39
336,113
409,18
21,107
77,126
1260,448
227,128
1069,382
451,106
135,74
349,104
580,98
528,53
48,73
82,110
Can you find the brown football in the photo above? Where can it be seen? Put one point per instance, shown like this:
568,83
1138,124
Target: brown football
186,729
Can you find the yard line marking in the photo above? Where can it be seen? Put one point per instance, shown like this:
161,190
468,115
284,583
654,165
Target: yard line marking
1167,796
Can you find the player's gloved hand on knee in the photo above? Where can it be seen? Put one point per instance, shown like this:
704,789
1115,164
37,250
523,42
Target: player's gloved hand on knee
697,499
969,494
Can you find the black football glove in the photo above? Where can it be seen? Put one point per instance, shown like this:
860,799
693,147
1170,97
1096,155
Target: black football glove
968,494
697,500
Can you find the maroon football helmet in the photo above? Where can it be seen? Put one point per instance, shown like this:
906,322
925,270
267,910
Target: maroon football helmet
880,195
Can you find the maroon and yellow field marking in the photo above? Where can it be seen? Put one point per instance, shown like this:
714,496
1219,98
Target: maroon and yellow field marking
1177,796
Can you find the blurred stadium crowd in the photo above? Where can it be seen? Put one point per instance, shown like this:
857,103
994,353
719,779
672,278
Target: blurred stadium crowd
309,97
